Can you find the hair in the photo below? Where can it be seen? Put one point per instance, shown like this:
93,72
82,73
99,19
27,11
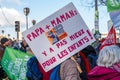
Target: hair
4,40
89,50
109,56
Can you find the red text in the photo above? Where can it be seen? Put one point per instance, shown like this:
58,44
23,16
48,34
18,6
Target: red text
49,62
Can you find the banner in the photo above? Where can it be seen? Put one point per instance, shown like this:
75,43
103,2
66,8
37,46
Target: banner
113,5
58,37
110,39
115,17
14,63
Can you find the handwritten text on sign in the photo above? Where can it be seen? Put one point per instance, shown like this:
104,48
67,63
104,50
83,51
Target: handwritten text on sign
58,37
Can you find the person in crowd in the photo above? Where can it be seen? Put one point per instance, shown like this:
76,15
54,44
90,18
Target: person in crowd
35,70
85,66
4,43
91,55
97,45
88,57
68,70
15,45
24,46
108,64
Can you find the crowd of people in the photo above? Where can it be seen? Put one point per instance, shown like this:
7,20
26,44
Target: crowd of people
88,64
6,42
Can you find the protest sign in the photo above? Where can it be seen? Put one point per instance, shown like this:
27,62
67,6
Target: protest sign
113,5
58,37
14,63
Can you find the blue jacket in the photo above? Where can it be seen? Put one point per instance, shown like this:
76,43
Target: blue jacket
33,72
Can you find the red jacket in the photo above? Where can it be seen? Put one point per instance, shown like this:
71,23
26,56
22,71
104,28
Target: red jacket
102,73
45,75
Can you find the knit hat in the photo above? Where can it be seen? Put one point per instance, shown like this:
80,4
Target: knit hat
3,40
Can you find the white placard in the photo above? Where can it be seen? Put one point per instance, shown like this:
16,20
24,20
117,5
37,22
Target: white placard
58,37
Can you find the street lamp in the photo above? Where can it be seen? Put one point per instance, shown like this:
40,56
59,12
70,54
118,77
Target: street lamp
8,35
3,31
33,22
26,12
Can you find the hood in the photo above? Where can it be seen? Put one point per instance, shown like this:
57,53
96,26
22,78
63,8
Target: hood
102,73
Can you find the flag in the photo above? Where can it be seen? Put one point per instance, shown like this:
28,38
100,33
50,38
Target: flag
115,17
14,62
113,5
110,39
